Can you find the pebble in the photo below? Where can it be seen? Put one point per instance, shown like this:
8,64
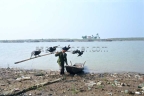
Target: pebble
99,83
141,85
110,94
2,84
122,91
137,93
141,79
83,80
123,84
92,74
113,84
39,74
137,76
113,75
126,91
89,88
75,75
51,89
130,92
90,84
108,82
16,89
6,92
49,94
39,94
142,92
129,76
139,89
142,88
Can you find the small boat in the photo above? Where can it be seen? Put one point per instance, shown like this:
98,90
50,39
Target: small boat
76,68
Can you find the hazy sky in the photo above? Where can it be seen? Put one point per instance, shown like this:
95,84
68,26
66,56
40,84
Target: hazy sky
37,19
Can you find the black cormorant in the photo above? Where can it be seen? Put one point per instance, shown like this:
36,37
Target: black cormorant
52,49
35,53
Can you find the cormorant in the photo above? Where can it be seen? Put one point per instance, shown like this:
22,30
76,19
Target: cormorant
67,48
35,53
80,53
52,49
75,51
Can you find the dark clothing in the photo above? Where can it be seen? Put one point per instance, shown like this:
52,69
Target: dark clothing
62,69
62,58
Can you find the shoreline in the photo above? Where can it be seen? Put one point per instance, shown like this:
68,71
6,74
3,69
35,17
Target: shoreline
86,71
72,40
13,80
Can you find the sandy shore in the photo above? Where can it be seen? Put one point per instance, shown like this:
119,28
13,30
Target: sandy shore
91,84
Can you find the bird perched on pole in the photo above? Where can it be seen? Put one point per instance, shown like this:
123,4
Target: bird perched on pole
35,53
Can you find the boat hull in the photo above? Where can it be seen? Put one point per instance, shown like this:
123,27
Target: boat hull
74,69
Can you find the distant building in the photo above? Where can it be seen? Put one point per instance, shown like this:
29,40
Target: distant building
91,37
97,36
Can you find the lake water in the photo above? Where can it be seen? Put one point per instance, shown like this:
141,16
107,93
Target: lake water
116,56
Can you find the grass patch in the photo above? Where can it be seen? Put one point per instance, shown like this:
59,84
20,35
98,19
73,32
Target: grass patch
74,90
100,87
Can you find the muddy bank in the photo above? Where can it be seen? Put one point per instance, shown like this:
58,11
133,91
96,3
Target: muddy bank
90,84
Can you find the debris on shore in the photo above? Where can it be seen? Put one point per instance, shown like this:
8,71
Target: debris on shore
14,81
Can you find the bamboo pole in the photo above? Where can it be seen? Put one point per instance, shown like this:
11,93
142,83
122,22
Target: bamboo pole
32,87
35,57
31,58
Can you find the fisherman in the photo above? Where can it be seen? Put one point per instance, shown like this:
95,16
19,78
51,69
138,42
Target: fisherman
62,59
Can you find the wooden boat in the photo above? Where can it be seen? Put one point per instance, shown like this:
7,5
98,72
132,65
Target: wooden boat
76,68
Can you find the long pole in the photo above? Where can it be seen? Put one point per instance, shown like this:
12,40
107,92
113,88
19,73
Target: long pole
31,58
34,57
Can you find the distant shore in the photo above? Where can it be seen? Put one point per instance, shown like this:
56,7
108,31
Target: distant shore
71,40
20,82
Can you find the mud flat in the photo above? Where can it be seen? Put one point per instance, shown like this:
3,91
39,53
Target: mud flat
20,82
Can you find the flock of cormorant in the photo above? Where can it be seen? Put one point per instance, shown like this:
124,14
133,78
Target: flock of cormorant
53,49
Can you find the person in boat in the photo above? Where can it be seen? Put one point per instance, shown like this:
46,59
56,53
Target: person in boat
62,59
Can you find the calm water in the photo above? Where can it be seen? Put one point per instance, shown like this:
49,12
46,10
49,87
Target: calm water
99,56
